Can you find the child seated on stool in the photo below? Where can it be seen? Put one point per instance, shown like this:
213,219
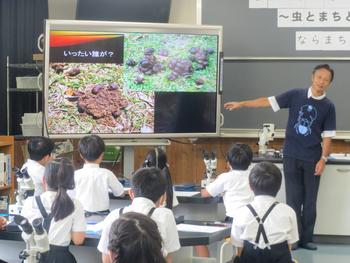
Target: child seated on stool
234,185
39,149
264,230
63,217
147,194
157,158
93,182
134,237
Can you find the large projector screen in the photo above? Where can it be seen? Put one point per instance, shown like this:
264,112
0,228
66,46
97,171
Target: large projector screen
130,80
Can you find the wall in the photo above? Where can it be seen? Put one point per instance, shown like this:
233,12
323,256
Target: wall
185,11
186,161
185,158
62,9
182,11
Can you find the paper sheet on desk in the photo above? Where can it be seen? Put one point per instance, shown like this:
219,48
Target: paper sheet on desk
94,227
199,228
339,156
186,193
125,189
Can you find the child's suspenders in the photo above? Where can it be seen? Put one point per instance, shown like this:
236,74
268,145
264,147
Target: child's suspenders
261,229
149,214
47,217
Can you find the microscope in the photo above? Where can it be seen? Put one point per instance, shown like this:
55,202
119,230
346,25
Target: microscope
36,239
265,135
25,188
210,162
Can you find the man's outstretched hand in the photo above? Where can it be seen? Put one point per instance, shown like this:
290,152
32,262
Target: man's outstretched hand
232,105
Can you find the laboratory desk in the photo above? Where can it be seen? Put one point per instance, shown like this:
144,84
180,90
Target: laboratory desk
191,205
11,244
199,208
198,199
186,238
184,198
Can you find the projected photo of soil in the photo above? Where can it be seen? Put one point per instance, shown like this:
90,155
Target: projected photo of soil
170,62
90,98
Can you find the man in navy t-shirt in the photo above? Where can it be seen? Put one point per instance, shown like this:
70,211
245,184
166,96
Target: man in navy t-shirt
311,122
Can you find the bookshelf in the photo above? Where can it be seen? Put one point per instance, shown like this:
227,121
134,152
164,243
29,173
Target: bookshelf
7,148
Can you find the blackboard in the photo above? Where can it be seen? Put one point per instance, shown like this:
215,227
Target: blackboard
254,33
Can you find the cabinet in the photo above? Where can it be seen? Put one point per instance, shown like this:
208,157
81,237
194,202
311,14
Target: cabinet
33,69
333,210
7,148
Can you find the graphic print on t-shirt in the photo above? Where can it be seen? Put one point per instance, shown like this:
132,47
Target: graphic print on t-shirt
307,115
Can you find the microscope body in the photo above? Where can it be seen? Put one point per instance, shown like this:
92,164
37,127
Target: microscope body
35,237
25,188
35,246
266,134
210,162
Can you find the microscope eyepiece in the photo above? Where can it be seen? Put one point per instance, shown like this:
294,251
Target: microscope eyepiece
38,226
17,172
25,173
21,173
24,224
213,155
205,155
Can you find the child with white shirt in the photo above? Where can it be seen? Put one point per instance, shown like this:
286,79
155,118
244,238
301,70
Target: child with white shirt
147,194
63,217
157,158
39,149
264,230
233,185
93,182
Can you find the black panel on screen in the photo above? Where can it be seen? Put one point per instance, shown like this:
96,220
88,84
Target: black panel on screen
185,112
156,11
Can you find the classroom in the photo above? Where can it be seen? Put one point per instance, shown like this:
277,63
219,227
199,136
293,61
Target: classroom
174,131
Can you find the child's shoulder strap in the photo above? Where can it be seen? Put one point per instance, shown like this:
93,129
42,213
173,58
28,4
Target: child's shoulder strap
121,211
269,211
47,217
150,212
261,229
252,210
41,206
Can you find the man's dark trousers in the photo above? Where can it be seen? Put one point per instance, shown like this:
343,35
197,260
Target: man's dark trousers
301,191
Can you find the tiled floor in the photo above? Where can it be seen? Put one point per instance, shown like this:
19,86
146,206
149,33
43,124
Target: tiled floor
324,254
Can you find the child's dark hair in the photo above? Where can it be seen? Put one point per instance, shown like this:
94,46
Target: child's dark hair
38,147
91,147
326,67
135,237
148,183
240,156
157,158
59,176
265,179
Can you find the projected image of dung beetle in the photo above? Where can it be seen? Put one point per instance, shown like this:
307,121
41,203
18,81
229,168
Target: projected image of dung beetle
307,115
